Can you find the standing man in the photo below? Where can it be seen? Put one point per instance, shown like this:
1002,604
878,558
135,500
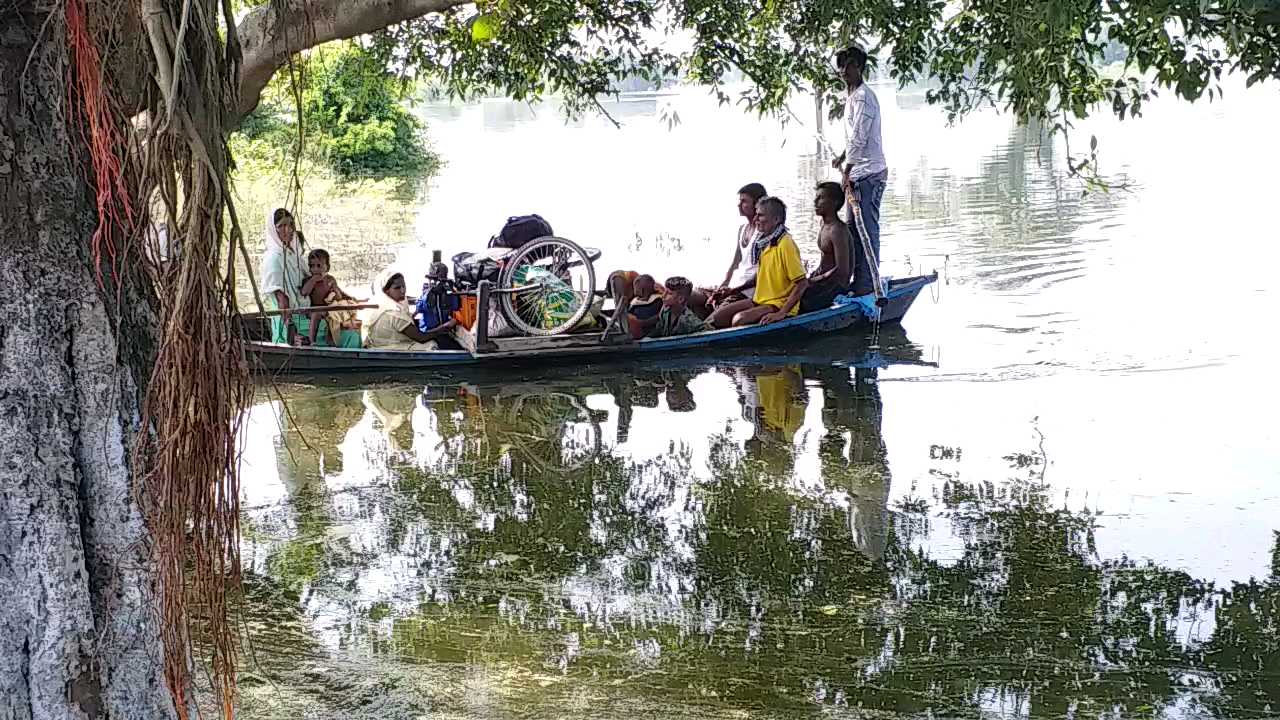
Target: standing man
862,164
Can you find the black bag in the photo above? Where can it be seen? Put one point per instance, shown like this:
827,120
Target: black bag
470,268
520,230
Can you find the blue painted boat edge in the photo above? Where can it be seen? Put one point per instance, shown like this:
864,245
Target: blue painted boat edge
908,287
351,355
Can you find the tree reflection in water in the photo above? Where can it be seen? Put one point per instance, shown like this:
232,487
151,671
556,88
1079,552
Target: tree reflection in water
680,541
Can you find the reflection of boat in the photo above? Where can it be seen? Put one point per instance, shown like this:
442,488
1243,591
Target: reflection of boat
280,358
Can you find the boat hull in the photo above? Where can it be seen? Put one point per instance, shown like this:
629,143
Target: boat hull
278,358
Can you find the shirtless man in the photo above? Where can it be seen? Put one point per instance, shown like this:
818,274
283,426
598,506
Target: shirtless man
836,243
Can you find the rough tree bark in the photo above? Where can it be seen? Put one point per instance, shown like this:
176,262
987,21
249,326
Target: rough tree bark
78,632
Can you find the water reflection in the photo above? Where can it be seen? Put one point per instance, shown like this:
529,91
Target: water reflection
785,535
706,539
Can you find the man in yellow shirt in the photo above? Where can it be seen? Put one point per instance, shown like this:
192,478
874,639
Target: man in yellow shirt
781,279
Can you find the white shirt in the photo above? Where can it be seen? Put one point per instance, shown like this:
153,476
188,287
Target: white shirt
285,269
745,273
865,152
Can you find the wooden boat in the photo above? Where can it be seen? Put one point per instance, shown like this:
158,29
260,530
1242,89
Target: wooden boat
278,358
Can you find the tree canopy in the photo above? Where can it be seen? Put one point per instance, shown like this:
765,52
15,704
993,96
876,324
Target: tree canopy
352,118
1034,58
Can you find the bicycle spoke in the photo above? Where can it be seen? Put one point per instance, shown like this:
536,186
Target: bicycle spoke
550,287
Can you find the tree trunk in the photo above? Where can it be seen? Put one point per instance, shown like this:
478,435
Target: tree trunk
78,630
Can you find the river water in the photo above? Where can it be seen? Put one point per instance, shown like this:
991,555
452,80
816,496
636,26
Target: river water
1054,492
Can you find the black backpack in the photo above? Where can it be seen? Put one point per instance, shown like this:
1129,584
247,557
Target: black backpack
469,269
519,230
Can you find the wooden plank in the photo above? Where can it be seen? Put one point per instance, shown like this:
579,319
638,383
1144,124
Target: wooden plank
482,343
316,309
583,351
276,357
555,342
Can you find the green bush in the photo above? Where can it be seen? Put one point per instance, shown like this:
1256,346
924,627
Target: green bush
353,120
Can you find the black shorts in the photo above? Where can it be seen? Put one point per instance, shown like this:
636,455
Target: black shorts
820,297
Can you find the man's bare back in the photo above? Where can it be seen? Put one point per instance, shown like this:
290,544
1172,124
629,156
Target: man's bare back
832,237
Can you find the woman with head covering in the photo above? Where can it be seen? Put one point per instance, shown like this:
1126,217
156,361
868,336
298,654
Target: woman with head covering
391,326
284,270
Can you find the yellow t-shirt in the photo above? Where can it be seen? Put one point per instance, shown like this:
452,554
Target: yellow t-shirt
780,270
780,394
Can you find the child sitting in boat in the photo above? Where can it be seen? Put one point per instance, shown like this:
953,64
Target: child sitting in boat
646,303
675,317
321,289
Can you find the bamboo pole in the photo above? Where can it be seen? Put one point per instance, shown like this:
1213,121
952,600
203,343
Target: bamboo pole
318,309
873,261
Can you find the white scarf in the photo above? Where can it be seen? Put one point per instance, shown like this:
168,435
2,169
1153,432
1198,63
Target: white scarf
284,267
384,300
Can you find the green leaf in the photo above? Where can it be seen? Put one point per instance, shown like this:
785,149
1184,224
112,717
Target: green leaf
484,28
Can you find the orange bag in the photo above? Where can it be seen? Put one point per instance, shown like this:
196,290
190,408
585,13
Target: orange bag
466,312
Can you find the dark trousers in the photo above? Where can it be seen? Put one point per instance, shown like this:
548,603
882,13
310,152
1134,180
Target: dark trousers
870,191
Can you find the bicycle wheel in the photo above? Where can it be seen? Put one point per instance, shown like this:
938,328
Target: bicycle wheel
552,284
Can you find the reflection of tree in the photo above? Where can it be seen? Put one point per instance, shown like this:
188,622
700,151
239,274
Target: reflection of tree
1245,649
312,426
761,538
531,460
534,544
299,560
291,675
1028,616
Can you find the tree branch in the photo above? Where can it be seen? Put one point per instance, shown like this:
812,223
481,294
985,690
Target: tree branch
272,32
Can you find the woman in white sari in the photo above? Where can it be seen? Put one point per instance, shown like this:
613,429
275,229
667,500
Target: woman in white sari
284,270
392,325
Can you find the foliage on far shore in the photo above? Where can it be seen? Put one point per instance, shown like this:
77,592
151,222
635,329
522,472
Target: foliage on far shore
353,121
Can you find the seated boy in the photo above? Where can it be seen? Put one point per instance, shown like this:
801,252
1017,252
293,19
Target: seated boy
637,299
646,301
675,317
321,289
